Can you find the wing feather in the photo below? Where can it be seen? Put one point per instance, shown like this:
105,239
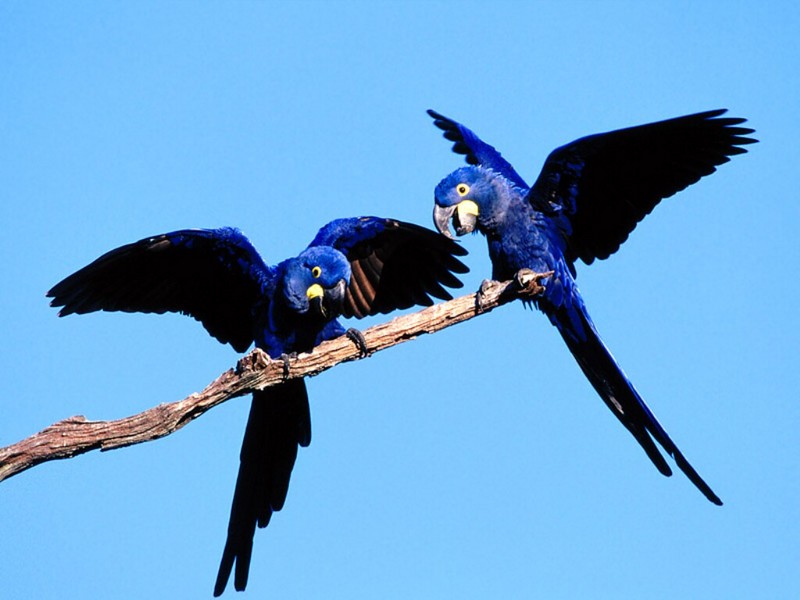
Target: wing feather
394,264
605,184
213,275
598,188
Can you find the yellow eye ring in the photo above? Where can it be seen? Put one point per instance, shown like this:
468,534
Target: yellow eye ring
462,189
316,272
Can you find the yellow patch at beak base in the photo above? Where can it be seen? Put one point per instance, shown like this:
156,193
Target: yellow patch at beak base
315,291
467,207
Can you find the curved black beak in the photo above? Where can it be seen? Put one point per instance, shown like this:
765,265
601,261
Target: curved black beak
328,303
335,297
316,305
442,217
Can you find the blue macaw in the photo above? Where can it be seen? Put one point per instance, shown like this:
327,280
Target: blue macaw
589,196
353,267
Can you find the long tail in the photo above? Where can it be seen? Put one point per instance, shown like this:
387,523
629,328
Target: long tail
606,376
279,421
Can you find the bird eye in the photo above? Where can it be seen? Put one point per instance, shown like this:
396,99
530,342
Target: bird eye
316,272
462,189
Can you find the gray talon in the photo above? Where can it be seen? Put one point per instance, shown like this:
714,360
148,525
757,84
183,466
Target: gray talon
481,294
286,358
355,336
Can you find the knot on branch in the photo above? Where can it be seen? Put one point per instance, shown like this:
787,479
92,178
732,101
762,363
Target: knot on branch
256,360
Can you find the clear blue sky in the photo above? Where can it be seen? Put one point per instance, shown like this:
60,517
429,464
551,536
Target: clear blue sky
476,463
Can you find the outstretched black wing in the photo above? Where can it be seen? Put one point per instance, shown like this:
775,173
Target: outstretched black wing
604,184
213,275
474,149
394,264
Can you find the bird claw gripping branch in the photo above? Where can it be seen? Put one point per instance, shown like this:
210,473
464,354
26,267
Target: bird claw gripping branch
529,282
355,336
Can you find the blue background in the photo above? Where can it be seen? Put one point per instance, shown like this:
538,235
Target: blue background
475,463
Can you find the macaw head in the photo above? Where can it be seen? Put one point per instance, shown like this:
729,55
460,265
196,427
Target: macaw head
315,282
469,197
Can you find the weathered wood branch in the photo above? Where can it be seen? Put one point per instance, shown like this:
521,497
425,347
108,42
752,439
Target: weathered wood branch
255,371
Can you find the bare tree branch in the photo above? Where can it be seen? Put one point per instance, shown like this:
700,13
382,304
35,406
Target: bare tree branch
255,371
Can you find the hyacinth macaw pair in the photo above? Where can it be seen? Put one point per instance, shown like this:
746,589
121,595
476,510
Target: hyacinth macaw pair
588,198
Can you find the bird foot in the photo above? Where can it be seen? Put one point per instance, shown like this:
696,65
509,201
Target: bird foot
529,282
355,336
287,358
480,297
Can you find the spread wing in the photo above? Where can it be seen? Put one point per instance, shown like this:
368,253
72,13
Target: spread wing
394,264
213,275
475,150
604,184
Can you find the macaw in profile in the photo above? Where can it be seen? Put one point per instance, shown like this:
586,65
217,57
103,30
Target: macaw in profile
588,198
354,267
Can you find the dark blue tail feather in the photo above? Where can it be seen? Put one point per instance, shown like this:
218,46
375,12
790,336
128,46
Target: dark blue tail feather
618,393
279,422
